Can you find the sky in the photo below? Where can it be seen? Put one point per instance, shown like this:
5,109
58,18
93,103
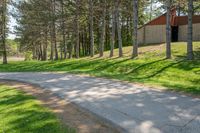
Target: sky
11,24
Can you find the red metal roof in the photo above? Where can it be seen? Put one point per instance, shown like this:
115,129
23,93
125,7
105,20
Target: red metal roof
161,20
175,20
158,21
183,20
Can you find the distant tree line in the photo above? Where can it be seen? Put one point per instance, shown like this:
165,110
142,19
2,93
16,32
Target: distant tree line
61,29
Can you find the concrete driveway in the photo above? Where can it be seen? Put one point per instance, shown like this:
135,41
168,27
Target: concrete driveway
129,107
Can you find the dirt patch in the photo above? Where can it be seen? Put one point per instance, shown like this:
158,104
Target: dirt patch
151,49
68,113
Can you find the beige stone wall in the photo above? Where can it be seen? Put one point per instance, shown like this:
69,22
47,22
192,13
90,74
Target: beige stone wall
152,34
196,32
183,32
141,35
155,33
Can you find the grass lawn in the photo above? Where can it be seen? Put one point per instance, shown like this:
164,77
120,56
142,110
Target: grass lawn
20,113
150,67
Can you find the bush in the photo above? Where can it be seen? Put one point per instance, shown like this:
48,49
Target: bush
28,56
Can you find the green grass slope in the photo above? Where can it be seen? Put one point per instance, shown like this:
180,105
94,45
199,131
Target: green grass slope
20,113
150,67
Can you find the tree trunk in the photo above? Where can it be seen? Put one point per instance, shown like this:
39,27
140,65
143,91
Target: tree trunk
4,32
84,43
65,47
91,28
179,8
71,46
52,46
45,45
87,41
151,10
77,28
190,55
55,42
38,53
117,3
113,33
102,41
63,30
41,51
168,30
127,29
54,30
34,51
135,29
61,51
107,34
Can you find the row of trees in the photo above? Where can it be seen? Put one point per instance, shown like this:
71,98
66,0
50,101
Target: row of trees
76,28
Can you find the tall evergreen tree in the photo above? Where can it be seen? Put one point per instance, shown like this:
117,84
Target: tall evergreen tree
91,27
103,26
190,30
113,32
135,29
168,30
3,24
117,4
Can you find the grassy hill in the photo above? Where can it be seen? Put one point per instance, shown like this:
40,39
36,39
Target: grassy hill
150,67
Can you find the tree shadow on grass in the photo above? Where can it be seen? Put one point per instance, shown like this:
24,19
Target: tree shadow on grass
106,65
85,64
144,65
197,54
157,72
62,65
195,90
23,114
189,65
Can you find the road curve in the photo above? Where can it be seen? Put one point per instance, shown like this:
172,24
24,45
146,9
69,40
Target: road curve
129,107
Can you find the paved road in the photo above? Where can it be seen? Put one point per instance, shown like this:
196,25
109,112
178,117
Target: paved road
133,108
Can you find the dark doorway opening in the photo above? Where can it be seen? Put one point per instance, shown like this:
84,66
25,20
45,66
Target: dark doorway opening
174,33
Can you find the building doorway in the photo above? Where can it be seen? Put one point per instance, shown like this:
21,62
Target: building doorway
174,33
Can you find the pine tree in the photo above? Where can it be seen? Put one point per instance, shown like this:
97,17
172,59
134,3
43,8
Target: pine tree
190,30
3,28
168,30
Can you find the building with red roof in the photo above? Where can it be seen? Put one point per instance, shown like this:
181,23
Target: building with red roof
155,30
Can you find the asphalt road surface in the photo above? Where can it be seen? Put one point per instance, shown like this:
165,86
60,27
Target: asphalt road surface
129,107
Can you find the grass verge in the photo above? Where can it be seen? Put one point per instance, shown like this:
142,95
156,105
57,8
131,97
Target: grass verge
150,67
21,113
